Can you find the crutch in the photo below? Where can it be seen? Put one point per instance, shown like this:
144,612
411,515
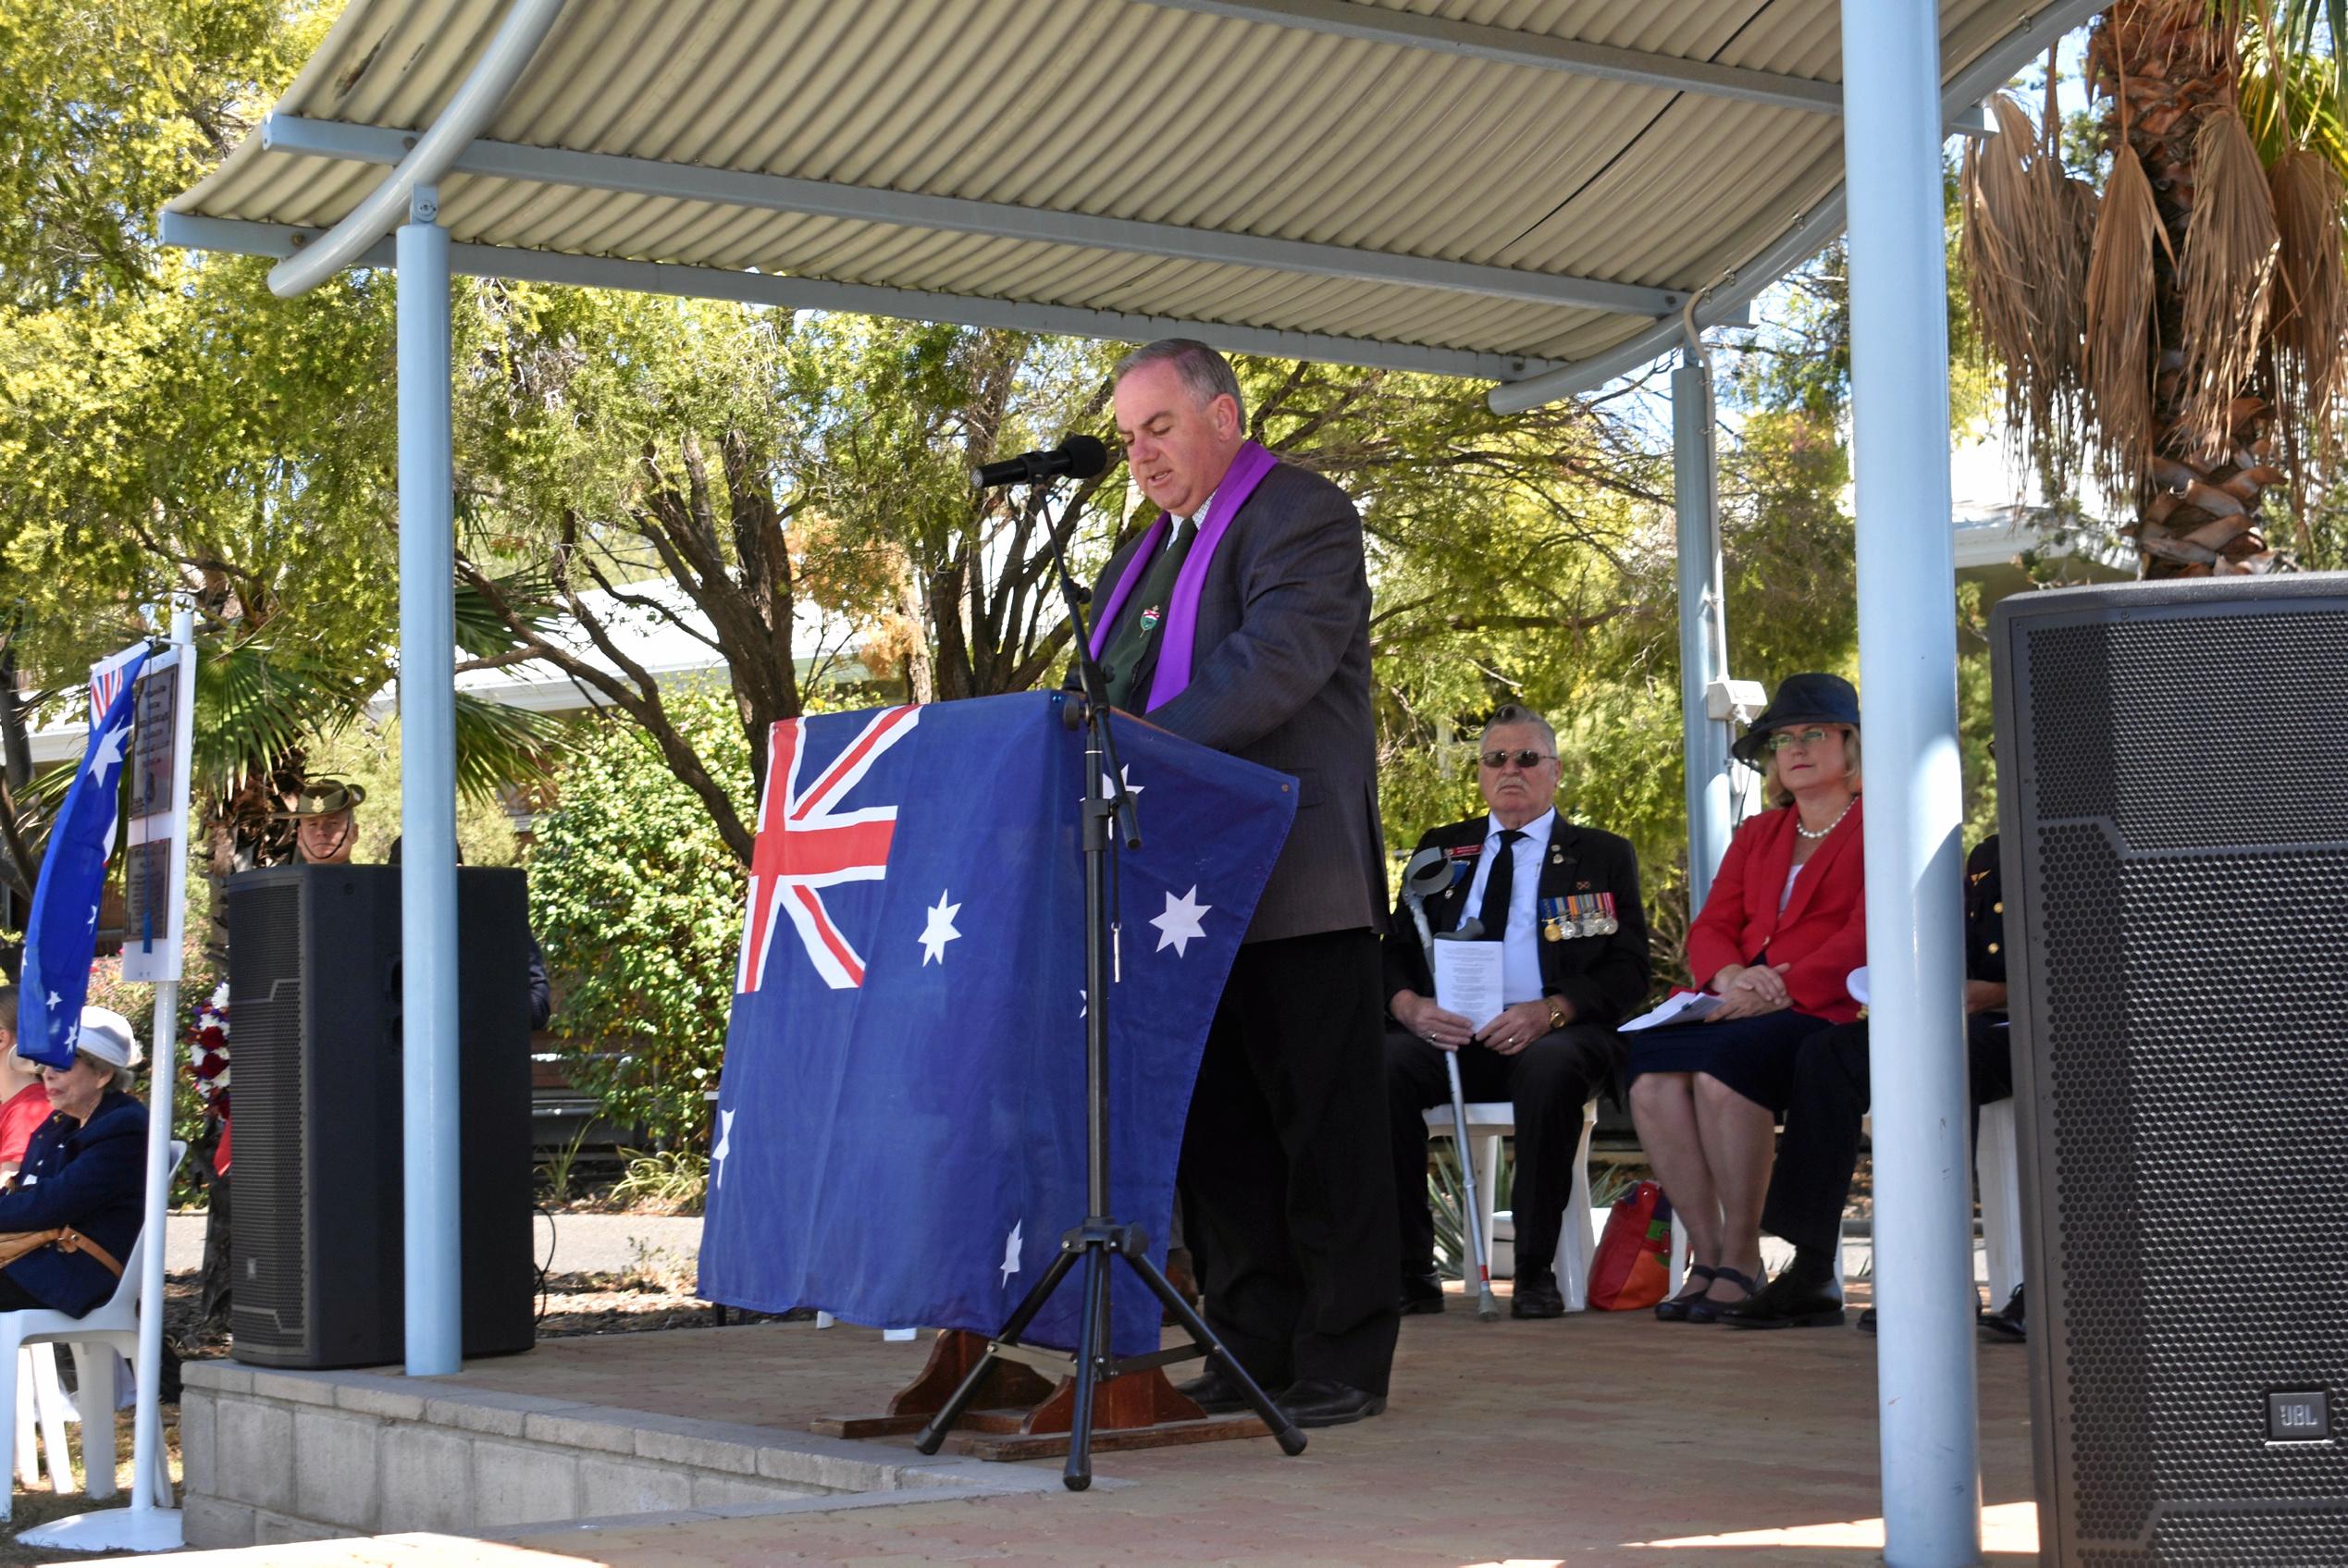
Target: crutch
1427,872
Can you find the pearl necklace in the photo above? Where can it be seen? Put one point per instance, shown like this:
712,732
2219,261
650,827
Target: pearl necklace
1829,827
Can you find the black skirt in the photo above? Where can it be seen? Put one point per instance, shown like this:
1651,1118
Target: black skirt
1754,1056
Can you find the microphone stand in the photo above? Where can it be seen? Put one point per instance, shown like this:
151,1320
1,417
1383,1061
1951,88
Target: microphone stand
1100,1238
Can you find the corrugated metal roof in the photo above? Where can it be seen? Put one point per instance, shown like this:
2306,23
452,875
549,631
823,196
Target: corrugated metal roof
1216,116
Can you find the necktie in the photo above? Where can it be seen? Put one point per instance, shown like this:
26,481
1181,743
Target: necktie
1125,660
1500,886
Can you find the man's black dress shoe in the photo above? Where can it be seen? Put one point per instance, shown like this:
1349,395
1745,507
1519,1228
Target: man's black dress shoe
1421,1292
1537,1295
1789,1302
1866,1321
1212,1392
1317,1402
2009,1322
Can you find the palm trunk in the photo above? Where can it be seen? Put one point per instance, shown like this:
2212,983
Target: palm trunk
2167,67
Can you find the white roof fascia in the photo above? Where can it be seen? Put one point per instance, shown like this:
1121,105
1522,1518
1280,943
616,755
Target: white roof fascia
1806,234
239,238
1346,18
783,193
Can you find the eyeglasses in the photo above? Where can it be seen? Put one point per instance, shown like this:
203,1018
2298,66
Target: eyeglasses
1527,758
1783,740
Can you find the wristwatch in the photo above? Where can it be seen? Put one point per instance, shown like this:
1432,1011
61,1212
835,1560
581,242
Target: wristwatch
1557,1018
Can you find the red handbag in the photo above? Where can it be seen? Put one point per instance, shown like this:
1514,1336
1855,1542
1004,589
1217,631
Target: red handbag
1633,1266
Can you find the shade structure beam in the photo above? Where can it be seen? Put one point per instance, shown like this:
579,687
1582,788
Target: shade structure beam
1928,1425
750,191
1808,231
1509,46
1704,612
433,1220
476,102
235,237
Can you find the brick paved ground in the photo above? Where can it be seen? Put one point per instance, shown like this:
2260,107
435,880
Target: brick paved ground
1602,1439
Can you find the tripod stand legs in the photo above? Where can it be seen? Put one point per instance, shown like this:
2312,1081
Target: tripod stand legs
1094,1244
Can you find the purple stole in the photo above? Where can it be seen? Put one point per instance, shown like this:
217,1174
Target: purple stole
1173,673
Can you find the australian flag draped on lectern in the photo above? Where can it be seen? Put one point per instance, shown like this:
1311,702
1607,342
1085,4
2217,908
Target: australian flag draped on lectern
901,1124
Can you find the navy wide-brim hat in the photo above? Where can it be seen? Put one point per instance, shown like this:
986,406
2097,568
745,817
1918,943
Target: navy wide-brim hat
1812,696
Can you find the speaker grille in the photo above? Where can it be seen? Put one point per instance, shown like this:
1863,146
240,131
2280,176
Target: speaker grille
267,1257
2185,774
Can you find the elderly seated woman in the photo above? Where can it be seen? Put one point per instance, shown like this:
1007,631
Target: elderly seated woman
84,1171
1783,926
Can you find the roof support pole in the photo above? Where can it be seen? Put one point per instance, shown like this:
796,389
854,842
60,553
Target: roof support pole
1703,625
428,795
1930,1427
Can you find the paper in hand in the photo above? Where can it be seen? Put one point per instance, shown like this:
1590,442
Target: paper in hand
1468,980
1681,1007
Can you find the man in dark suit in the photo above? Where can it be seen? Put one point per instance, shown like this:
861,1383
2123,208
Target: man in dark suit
1832,1087
1240,620
1564,901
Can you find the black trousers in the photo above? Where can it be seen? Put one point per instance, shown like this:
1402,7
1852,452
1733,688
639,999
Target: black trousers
1820,1149
1549,1081
1288,1193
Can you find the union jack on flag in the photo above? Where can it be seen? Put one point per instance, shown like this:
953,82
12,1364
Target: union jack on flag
807,843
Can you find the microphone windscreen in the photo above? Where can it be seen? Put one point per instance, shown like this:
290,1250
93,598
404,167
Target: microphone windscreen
1086,456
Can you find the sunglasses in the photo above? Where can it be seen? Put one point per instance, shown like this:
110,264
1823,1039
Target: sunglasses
1783,740
1526,759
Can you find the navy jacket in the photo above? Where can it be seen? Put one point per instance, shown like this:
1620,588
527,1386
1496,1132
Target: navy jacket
93,1177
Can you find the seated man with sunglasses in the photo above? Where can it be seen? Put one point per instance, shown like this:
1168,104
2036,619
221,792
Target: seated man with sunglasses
1563,902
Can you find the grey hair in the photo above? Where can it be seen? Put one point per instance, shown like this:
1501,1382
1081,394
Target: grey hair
1516,713
1204,372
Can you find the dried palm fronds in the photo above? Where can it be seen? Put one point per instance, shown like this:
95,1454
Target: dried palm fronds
2024,249
2230,245
2120,320
2311,316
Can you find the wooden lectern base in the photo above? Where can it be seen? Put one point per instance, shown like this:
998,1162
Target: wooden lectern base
1019,1415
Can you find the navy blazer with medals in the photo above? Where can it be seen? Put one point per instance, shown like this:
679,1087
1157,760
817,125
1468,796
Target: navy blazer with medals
1602,978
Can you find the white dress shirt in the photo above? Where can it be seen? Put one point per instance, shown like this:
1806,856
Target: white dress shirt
1521,957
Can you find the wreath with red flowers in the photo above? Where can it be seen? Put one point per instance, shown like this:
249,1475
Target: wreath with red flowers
207,1042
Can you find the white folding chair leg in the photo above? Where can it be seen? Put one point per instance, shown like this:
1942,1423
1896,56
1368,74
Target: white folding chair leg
10,1385
1575,1244
26,1441
49,1404
94,1395
1488,1167
2000,1160
1679,1250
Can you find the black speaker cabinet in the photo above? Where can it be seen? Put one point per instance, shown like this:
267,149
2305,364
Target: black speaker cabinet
316,1233
2173,791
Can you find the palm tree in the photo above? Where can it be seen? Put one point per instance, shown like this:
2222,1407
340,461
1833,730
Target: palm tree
2181,334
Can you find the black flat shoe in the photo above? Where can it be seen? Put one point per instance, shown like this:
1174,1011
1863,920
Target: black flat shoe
1317,1402
2009,1323
1539,1296
1420,1292
1677,1308
1789,1302
1703,1309
1212,1392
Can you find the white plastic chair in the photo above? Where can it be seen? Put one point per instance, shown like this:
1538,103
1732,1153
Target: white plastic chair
1487,1123
113,1325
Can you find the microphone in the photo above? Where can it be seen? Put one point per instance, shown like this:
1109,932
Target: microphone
1080,457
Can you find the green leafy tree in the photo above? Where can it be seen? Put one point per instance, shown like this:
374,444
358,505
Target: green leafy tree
637,898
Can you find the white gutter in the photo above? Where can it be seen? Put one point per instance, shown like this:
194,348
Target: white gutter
467,114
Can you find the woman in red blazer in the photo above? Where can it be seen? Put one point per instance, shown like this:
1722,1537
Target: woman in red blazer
1781,930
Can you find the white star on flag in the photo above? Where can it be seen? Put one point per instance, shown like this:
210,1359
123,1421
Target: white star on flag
940,931
1083,1003
725,1134
1011,1255
108,753
54,1000
1108,790
1181,921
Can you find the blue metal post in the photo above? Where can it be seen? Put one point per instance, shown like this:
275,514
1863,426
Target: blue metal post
1930,1428
427,767
1703,637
